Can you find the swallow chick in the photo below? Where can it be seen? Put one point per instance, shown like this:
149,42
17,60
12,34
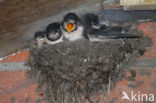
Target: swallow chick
91,21
53,34
72,27
40,38
99,32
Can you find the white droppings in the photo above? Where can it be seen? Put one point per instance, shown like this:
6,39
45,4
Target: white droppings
85,60
145,20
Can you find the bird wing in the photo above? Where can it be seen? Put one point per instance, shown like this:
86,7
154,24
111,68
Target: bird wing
110,28
100,34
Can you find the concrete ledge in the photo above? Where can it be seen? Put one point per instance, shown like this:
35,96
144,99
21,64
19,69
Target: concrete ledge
13,66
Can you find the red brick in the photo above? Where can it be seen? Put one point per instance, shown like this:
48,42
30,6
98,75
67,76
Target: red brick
146,87
21,95
148,29
16,85
18,57
11,78
150,53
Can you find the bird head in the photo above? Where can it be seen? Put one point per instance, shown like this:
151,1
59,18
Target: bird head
69,22
39,35
53,32
91,21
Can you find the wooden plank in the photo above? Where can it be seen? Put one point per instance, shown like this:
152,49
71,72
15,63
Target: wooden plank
137,2
140,7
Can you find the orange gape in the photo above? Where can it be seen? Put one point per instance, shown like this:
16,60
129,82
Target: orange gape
70,27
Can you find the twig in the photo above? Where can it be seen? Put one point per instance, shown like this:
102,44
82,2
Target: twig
38,76
108,89
63,53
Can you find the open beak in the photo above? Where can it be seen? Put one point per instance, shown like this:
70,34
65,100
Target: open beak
70,27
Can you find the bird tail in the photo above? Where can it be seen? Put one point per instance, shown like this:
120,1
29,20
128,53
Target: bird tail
111,28
126,36
117,36
100,34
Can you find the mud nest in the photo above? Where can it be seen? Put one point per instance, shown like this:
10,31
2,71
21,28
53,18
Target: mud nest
72,70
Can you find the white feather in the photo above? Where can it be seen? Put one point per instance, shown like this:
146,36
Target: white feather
54,42
75,35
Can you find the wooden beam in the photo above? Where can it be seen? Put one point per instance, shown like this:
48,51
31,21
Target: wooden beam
138,4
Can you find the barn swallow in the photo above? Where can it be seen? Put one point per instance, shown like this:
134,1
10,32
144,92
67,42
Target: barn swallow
100,35
40,37
72,27
99,32
91,21
54,33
